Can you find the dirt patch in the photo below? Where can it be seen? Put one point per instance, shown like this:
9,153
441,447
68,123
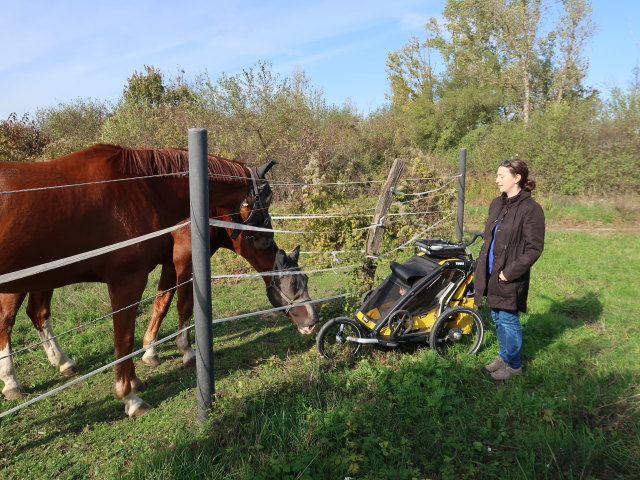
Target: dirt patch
591,229
560,227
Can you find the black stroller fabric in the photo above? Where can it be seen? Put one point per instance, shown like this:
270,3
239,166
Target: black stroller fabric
413,269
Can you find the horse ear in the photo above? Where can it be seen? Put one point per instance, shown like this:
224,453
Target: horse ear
281,260
295,254
263,169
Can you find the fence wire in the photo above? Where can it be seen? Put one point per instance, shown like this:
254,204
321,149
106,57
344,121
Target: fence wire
420,196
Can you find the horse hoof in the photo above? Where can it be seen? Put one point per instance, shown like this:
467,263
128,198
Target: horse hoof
70,371
189,359
134,406
190,363
152,361
141,411
13,394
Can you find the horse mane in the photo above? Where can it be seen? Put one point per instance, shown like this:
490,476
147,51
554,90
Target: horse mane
163,161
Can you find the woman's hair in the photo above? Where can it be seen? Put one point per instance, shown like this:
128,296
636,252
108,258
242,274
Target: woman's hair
519,167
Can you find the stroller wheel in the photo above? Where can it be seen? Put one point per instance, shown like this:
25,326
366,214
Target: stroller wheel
332,340
458,331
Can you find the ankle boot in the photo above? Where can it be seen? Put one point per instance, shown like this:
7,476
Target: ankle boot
506,373
497,364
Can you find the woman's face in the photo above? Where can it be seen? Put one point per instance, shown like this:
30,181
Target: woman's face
507,182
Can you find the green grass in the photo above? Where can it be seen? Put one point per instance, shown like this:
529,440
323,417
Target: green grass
283,412
614,211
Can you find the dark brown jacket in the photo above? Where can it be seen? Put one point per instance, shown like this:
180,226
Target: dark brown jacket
519,243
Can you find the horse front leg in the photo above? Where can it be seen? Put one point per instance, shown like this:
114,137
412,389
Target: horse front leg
185,311
39,311
161,305
9,305
123,293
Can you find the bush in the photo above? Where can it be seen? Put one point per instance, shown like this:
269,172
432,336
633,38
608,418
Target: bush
71,126
21,140
568,148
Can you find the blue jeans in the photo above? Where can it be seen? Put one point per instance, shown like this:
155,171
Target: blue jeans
509,333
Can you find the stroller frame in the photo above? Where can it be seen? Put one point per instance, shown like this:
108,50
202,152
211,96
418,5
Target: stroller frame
429,298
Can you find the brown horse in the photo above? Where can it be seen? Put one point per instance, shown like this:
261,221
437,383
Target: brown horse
107,194
282,290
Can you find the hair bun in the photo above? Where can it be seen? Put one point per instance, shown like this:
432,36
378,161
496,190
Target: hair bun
529,185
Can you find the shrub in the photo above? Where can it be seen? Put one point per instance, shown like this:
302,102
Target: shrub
21,140
71,126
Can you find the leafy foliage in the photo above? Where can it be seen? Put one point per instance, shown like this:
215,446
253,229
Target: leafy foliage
20,140
512,85
71,126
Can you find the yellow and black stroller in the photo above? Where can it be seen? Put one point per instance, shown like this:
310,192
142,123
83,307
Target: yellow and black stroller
428,298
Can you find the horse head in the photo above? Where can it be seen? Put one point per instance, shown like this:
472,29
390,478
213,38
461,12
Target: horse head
288,288
254,211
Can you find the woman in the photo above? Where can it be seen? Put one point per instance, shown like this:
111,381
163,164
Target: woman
513,241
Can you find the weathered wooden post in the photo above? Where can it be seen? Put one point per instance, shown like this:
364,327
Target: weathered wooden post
199,192
462,172
376,234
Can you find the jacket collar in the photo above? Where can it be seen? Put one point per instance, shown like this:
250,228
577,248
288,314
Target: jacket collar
516,198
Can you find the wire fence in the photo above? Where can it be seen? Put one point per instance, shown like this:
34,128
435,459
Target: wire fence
423,195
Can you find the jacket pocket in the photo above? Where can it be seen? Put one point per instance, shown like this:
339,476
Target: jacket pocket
502,289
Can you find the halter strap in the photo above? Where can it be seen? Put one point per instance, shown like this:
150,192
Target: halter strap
290,302
258,206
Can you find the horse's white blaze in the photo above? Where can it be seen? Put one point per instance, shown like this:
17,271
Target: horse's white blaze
54,353
310,311
8,371
133,403
310,314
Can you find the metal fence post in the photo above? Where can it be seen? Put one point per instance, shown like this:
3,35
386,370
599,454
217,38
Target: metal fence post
199,193
462,172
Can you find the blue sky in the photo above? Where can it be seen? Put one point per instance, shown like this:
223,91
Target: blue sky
61,50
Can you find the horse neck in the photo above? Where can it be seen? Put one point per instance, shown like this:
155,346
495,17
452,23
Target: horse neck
228,192
227,195
262,260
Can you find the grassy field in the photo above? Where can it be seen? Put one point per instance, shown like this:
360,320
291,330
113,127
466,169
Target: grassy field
283,412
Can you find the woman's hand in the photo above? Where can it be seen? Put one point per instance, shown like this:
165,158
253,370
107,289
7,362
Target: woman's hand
502,277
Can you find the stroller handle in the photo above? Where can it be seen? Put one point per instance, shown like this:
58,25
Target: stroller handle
472,241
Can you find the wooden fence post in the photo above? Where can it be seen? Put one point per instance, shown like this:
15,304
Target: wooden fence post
462,173
375,236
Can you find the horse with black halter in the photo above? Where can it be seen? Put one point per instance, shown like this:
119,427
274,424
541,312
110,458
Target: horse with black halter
99,196
284,287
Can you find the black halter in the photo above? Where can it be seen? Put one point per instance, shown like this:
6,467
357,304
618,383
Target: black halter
291,302
300,285
260,194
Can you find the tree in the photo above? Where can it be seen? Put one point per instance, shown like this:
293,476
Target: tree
145,88
572,31
497,43
499,46
410,72
153,113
